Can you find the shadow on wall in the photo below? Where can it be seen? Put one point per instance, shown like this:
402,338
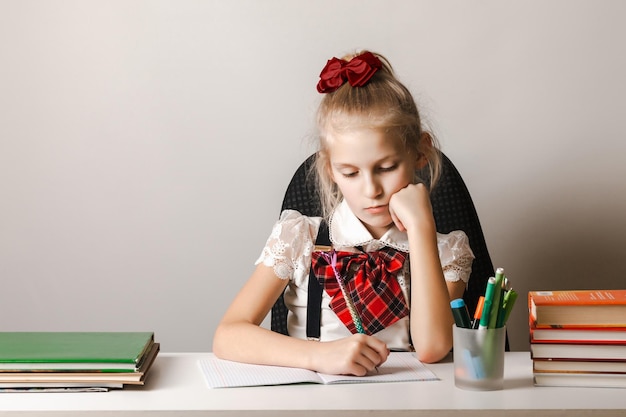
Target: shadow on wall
573,247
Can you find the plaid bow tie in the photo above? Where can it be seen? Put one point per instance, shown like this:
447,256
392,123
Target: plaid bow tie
364,291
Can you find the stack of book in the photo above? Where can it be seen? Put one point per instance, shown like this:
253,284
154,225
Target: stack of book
75,361
578,338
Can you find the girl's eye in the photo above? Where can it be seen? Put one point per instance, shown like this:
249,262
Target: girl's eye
388,168
349,174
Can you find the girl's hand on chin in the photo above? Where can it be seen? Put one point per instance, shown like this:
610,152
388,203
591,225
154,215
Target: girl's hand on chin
410,206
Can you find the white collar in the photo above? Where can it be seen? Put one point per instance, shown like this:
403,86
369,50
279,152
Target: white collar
346,230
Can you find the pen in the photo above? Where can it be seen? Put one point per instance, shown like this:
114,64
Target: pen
496,304
484,317
478,312
356,319
460,313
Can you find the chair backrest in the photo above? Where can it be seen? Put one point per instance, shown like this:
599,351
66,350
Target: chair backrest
453,209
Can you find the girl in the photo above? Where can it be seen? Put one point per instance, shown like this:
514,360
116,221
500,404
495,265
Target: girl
371,143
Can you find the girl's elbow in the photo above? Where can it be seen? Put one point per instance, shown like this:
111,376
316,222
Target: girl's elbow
220,341
433,354
431,358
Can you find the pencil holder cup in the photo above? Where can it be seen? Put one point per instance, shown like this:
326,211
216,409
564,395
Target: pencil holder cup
479,358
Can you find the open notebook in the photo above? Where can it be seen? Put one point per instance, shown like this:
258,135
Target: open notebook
218,373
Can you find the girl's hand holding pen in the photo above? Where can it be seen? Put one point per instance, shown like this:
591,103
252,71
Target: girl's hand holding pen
354,355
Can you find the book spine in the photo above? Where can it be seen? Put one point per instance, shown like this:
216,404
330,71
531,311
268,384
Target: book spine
578,297
578,342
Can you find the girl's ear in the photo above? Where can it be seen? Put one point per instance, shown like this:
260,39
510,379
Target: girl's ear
421,162
426,143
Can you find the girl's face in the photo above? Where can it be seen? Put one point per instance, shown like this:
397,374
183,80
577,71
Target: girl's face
369,168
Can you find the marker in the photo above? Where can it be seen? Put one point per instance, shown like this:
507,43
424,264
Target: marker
460,313
509,301
484,317
496,304
478,312
499,274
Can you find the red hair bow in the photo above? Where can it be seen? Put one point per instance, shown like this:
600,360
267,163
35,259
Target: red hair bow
358,71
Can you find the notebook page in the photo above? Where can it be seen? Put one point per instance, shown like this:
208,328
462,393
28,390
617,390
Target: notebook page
220,373
399,367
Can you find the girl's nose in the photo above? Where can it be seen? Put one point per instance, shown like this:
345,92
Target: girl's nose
373,188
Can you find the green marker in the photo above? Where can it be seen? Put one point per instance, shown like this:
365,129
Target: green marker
497,299
509,301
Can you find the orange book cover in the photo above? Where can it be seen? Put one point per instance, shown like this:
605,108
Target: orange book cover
577,308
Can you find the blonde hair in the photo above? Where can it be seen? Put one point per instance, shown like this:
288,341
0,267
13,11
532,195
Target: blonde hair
385,104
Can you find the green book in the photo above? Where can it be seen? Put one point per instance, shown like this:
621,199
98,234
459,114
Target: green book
95,351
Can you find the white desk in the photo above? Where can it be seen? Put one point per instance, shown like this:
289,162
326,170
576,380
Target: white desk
175,387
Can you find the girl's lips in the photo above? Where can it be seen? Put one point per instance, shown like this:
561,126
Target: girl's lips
376,210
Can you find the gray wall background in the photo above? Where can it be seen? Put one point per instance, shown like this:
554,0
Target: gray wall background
145,145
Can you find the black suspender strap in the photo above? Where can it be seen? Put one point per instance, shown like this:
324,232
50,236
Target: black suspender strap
314,302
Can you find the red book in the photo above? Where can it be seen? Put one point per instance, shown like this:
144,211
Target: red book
577,309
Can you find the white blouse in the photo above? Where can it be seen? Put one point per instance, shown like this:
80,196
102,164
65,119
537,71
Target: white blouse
288,252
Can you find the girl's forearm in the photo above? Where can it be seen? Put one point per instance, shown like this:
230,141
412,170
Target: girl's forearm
353,355
431,317
247,342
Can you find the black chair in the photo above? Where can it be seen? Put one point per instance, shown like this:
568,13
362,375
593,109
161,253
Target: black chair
453,209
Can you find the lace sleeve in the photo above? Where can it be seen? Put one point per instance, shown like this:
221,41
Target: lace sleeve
456,255
288,249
